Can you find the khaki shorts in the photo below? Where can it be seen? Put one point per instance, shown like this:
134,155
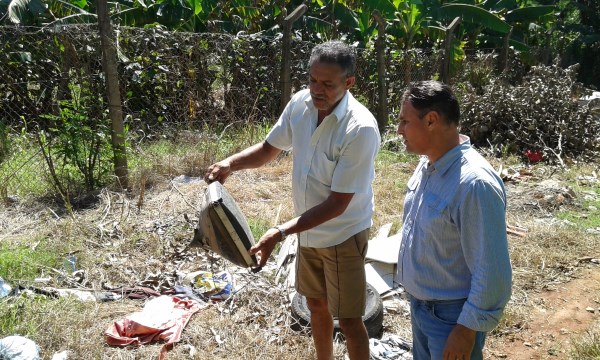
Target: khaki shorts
337,273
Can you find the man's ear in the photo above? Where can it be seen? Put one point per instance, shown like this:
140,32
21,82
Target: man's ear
350,81
432,119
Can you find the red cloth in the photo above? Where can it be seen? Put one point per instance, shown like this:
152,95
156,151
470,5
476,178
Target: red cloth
162,319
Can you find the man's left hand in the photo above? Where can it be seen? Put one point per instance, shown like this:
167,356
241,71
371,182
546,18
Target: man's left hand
460,343
265,246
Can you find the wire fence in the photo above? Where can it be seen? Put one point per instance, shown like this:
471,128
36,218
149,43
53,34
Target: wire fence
168,80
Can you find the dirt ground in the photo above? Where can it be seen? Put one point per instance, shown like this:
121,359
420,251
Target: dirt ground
559,315
562,310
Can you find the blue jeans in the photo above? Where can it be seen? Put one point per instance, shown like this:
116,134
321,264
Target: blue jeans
432,322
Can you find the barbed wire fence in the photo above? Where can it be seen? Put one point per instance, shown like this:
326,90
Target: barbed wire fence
168,80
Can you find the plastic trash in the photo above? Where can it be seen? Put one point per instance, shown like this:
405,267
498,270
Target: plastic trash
216,286
63,355
5,289
19,348
390,347
70,264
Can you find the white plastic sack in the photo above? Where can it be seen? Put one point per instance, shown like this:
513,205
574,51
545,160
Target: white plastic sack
18,348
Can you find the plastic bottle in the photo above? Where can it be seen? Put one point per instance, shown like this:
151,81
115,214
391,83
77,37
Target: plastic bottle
70,263
5,289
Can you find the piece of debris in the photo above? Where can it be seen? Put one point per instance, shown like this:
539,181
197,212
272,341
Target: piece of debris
590,309
382,260
380,275
390,347
517,231
79,294
162,319
397,305
63,355
184,179
217,286
285,258
5,289
588,259
19,348
217,337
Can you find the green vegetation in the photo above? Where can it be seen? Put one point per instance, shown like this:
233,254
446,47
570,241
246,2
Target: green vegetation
570,27
24,263
587,347
258,227
35,316
587,215
23,164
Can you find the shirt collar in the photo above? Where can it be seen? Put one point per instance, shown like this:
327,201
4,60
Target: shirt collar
443,164
339,111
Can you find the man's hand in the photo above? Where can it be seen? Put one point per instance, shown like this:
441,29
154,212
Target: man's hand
218,172
459,344
265,246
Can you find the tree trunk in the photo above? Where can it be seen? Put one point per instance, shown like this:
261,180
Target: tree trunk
382,110
109,65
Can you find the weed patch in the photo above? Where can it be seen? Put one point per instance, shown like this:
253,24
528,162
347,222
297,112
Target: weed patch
23,263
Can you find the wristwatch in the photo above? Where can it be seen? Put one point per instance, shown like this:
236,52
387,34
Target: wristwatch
281,231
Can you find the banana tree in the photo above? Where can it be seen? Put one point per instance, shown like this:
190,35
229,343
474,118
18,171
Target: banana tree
487,22
39,12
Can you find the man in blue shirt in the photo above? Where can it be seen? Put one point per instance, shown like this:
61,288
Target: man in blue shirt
454,260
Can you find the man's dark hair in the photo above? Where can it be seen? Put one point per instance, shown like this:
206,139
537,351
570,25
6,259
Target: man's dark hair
335,52
426,96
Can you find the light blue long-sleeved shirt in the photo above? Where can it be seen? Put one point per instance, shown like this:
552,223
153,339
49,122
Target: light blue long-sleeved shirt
454,242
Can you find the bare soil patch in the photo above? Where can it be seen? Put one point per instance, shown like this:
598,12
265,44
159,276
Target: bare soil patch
556,317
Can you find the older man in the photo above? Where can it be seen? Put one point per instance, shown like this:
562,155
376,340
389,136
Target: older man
334,140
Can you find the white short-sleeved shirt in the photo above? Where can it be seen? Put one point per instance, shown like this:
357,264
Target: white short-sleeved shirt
338,155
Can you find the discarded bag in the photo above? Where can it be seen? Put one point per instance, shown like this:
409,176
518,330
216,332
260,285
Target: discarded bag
18,348
391,347
216,286
5,289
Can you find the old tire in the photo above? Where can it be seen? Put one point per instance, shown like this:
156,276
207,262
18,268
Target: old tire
373,317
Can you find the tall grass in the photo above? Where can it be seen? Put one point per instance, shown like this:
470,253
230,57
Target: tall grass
587,346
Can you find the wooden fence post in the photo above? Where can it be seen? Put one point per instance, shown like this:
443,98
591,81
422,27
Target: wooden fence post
547,48
286,55
445,69
503,61
382,107
115,110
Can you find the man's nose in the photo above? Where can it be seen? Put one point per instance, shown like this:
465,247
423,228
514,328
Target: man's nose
316,88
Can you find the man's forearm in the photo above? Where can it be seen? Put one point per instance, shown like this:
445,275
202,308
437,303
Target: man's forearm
331,208
253,157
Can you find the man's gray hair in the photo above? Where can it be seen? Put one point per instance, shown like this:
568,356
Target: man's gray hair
335,52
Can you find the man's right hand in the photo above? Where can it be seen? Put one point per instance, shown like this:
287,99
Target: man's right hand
218,172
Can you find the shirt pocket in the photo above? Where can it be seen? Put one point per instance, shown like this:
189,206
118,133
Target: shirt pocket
433,209
322,169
